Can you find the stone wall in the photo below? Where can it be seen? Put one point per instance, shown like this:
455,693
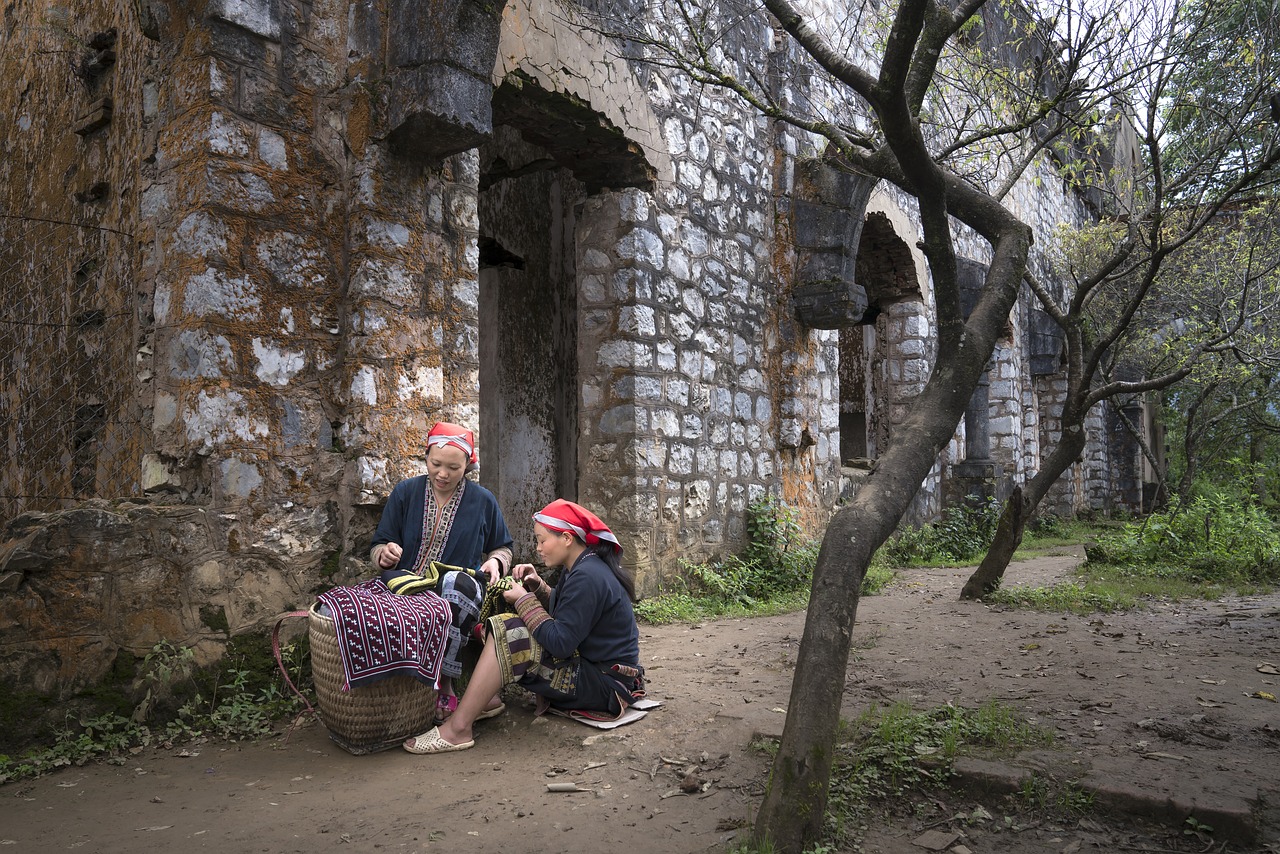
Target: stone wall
334,223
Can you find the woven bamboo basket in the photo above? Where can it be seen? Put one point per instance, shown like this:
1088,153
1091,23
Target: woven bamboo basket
369,718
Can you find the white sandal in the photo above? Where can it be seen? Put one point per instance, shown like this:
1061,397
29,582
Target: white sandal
432,741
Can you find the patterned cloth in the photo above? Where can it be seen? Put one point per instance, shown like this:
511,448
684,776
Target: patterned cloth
381,634
517,651
464,595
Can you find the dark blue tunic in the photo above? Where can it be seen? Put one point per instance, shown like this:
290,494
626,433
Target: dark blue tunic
590,612
477,529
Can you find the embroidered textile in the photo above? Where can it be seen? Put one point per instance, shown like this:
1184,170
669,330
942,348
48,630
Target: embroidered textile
381,634
437,521
522,659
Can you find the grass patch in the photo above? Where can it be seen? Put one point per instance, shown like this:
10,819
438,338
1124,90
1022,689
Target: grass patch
667,608
1051,535
889,754
1066,597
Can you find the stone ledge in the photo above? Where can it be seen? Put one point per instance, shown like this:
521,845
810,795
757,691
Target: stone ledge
1232,818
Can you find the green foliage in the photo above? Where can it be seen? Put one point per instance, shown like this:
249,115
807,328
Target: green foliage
1227,50
888,753
879,575
1214,545
1216,538
771,575
1195,827
963,534
181,702
107,737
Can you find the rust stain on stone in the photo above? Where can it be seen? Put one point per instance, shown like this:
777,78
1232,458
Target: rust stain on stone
358,124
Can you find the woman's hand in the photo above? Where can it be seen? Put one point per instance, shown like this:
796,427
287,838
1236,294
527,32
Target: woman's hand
390,555
528,577
492,568
513,593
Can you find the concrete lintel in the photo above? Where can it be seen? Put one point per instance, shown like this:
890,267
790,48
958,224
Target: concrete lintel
433,111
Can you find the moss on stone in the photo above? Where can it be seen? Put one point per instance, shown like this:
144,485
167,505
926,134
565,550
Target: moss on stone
215,617
332,563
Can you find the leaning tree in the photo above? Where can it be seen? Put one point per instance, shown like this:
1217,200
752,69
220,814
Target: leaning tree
915,94
1181,268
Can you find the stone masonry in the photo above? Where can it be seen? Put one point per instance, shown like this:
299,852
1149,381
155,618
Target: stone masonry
287,236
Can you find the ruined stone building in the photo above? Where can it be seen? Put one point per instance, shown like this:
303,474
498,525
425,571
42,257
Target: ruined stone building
250,250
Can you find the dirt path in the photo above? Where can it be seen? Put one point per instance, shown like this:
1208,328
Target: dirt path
1155,707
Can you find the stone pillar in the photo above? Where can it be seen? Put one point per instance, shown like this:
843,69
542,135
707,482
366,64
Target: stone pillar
977,422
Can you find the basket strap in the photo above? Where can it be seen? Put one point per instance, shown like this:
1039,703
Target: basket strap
275,648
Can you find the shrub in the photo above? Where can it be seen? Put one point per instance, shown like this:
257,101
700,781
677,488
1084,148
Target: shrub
962,534
1215,538
777,561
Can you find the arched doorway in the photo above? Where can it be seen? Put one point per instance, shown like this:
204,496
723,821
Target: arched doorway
549,152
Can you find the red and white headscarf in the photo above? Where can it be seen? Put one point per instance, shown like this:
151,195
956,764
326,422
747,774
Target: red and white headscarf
445,433
565,516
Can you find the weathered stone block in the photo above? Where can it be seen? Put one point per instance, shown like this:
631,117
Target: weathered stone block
260,17
433,111
829,304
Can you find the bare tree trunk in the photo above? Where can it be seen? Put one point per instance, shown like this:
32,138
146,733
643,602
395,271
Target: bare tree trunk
792,813
1008,536
795,802
1013,522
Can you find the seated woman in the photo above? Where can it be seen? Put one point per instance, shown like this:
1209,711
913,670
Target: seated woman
577,647
441,516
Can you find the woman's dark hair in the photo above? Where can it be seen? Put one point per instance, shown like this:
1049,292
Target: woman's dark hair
607,553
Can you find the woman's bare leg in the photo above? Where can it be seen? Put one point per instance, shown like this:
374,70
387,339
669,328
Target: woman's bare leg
482,687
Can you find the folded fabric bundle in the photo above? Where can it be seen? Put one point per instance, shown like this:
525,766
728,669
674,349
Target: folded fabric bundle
381,634
406,582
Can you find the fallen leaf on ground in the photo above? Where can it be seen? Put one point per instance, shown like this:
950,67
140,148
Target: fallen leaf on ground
1268,667
1263,695
936,840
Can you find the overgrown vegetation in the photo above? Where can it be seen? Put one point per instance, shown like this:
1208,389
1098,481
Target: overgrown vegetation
1216,544
1215,538
770,576
888,755
239,698
962,535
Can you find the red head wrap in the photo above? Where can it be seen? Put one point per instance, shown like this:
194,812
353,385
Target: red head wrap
445,433
562,516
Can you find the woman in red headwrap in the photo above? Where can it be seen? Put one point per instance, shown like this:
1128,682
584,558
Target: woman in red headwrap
442,517
576,646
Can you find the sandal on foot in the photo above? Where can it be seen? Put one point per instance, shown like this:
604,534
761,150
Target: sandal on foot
432,741
492,713
446,705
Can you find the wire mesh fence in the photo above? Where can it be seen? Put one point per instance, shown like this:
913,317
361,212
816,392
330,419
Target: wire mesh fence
69,428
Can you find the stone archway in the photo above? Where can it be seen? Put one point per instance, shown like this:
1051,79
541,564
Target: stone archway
877,355
561,136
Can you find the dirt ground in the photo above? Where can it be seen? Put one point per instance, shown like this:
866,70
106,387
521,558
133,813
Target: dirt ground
1155,707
